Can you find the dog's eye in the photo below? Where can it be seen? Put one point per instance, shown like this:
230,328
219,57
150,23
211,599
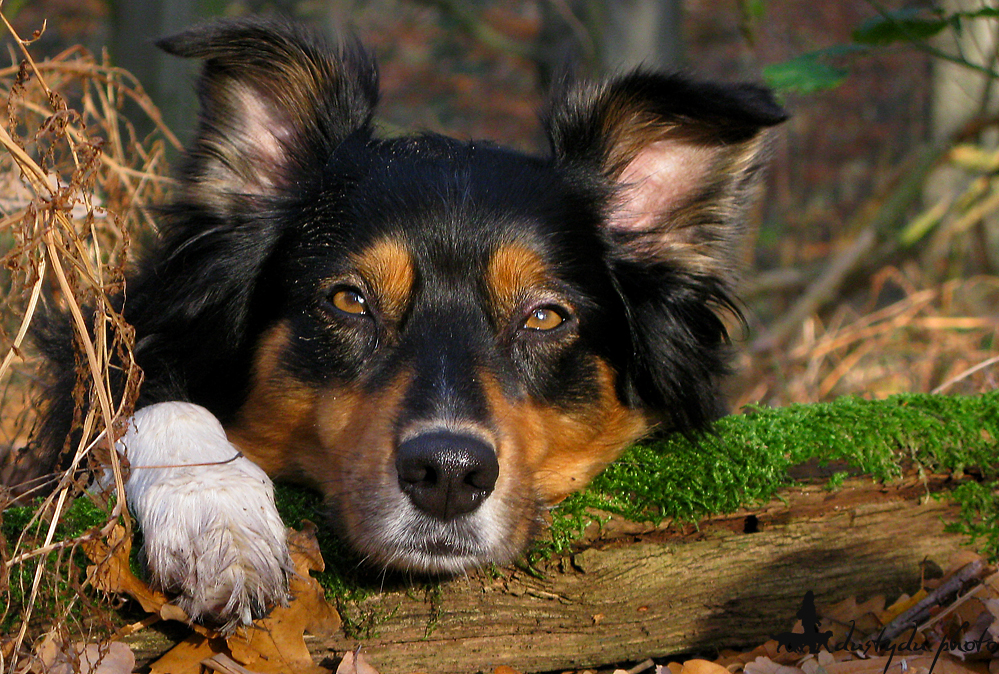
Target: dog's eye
544,318
350,301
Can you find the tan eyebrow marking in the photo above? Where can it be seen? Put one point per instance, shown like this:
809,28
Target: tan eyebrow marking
513,270
388,267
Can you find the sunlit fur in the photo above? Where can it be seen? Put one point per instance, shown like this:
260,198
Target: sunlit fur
444,337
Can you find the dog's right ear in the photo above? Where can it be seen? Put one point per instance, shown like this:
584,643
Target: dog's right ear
675,164
275,99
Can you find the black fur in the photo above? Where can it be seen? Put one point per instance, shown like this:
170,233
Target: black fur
286,180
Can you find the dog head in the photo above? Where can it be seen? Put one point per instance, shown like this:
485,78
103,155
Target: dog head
445,337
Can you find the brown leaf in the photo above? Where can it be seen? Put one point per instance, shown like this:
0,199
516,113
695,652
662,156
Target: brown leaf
186,657
222,663
111,572
767,666
57,656
276,644
877,665
702,667
901,605
849,616
354,663
273,645
958,561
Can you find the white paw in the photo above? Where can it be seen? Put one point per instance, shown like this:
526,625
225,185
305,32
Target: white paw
212,532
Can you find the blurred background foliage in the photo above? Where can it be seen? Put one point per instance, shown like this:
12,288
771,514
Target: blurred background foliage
873,256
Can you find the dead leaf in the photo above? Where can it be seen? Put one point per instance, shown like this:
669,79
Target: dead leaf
113,658
848,617
702,667
186,657
811,665
504,669
222,663
111,571
849,609
958,561
173,612
901,605
768,666
354,663
877,665
57,656
992,582
276,644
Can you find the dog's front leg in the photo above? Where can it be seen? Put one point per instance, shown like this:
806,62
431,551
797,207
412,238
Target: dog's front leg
212,532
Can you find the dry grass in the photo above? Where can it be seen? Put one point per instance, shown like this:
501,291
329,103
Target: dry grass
929,338
75,184
906,331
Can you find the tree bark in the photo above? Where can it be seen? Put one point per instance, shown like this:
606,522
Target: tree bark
635,591
650,592
597,37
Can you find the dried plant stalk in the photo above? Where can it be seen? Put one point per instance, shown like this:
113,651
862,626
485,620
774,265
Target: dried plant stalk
76,184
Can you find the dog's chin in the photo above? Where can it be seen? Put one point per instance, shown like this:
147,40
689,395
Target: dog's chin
408,540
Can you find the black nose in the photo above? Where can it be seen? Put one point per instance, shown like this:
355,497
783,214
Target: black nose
446,475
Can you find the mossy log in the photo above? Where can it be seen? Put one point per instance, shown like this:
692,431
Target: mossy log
636,592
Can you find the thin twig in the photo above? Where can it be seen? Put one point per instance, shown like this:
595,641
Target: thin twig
916,614
967,373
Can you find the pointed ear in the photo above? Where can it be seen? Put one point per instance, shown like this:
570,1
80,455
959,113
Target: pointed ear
674,164
275,100
678,160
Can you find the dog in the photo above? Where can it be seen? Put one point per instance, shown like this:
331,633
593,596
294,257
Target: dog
444,337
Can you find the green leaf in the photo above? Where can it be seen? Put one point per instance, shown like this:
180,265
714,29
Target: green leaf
811,72
754,9
904,25
803,76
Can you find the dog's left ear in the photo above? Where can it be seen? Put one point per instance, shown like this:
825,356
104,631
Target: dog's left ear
675,164
678,158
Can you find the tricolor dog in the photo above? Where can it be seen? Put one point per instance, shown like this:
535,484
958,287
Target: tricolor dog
444,337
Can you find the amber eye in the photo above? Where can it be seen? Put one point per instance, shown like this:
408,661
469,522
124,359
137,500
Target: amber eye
350,301
544,318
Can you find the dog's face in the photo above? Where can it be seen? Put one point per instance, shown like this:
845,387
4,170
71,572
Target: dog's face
442,363
444,337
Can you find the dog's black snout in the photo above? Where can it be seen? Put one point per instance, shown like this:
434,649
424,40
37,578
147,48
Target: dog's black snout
445,474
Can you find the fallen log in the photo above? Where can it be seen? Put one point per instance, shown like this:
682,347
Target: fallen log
639,591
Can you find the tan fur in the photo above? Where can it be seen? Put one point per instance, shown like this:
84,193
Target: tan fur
342,440
562,451
388,267
276,424
513,270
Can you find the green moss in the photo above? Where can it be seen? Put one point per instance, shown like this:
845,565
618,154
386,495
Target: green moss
836,480
345,575
746,458
82,516
63,569
979,515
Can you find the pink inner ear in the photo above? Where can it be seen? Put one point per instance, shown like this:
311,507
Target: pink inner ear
662,178
264,135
